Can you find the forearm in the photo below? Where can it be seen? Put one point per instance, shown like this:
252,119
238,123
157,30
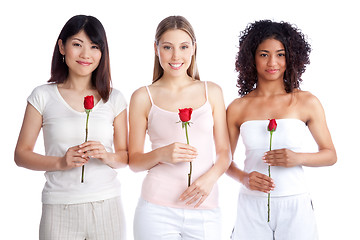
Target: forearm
221,164
325,157
143,161
236,173
29,159
119,159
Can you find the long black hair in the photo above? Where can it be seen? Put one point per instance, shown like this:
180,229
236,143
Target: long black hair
101,77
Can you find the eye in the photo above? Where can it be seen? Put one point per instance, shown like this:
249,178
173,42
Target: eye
184,47
76,45
281,54
263,55
95,47
167,47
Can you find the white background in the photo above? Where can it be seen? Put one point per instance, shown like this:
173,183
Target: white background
29,30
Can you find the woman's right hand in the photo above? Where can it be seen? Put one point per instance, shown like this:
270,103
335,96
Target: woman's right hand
72,159
259,182
177,152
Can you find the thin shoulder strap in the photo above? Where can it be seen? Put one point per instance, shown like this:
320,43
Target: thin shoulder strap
206,91
147,89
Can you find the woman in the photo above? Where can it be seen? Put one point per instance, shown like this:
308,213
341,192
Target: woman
271,58
168,208
74,208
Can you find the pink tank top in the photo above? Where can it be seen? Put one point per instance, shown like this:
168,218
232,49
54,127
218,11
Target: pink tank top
165,182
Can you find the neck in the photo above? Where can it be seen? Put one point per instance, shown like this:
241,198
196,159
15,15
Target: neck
175,82
78,83
270,88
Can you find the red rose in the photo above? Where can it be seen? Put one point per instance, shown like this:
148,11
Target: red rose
272,125
89,102
88,105
185,114
271,128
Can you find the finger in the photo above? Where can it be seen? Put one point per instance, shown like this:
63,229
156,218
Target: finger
96,154
202,199
78,161
264,184
183,158
89,144
189,192
195,198
186,147
92,148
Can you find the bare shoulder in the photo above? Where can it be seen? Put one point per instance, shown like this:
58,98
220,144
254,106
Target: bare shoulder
239,104
215,93
310,107
140,98
214,89
139,94
307,99
236,110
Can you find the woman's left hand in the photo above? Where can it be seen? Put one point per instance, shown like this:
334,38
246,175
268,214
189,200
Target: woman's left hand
282,158
94,149
199,190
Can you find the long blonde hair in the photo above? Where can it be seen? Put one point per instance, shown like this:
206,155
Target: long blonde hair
170,23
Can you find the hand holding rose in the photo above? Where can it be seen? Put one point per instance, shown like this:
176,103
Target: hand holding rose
94,149
177,152
72,159
258,182
282,158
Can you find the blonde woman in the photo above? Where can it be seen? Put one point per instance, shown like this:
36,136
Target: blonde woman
168,208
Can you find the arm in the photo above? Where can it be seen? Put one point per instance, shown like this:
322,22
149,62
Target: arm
254,180
24,155
138,160
201,187
119,158
316,122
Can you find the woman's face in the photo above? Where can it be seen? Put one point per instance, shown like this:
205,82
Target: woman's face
175,50
82,56
270,60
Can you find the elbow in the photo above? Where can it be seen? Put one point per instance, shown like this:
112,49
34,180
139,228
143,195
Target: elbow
133,166
18,159
333,160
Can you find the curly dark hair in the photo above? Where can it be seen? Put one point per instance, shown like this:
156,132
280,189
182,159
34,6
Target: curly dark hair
297,51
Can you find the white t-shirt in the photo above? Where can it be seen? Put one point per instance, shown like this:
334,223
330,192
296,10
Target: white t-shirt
63,127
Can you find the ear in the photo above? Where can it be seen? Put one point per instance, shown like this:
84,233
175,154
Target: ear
156,49
61,47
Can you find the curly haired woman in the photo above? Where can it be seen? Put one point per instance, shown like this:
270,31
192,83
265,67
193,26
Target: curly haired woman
271,59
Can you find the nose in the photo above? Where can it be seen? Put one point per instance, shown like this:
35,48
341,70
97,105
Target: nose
84,52
271,61
175,54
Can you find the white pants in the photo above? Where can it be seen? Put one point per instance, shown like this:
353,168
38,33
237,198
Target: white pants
102,220
290,218
154,222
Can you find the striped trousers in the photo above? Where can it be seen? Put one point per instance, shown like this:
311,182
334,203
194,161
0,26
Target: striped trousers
102,220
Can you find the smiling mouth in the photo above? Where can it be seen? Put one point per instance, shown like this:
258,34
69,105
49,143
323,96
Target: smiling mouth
272,70
175,65
84,63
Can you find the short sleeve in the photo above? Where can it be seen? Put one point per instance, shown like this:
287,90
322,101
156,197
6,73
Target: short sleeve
37,99
118,101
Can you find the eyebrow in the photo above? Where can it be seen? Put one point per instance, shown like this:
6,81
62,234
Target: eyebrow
173,44
280,50
78,39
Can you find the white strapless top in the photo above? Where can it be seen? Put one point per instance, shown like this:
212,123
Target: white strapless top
289,134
